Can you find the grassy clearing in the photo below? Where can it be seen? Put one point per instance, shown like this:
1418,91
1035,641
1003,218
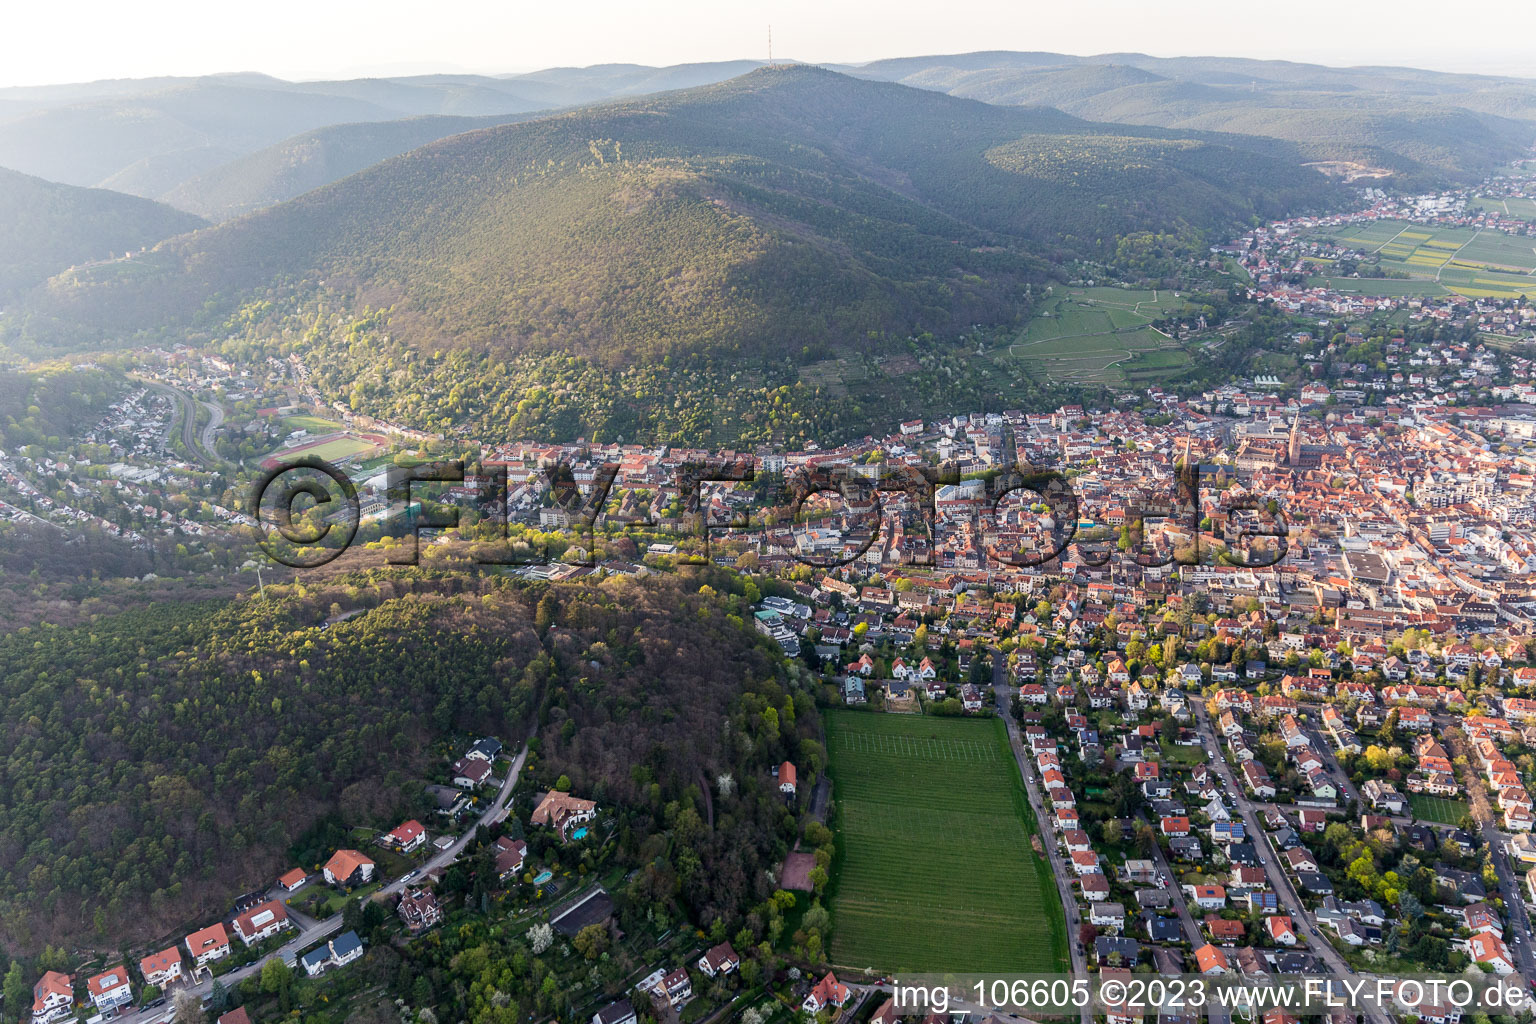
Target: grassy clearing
1427,807
937,871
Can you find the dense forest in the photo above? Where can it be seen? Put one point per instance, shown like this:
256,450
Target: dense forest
311,159
46,228
787,208
49,405
160,761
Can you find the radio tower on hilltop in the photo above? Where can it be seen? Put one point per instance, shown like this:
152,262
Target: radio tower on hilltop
770,46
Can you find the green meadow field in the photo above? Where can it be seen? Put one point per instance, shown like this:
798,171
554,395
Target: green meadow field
937,871
1099,336
330,451
1428,807
1525,209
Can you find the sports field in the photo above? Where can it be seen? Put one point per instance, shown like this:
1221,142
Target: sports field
330,451
314,424
937,871
1480,264
1427,807
1099,336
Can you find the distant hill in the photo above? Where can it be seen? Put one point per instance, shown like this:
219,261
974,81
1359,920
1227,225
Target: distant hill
788,206
46,228
1424,126
148,137
304,162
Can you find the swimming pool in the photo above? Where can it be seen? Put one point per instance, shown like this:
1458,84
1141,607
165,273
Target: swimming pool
580,833
543,877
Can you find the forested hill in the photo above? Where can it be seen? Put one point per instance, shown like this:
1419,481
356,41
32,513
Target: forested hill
155,764
1424,127
787,206
294,166
46,227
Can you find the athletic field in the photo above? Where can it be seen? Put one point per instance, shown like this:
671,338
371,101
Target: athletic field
937,871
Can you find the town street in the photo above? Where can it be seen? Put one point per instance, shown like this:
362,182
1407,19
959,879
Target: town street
1003,692
1305,924
1498,844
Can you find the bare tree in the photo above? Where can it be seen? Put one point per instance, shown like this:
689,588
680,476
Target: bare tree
189,1008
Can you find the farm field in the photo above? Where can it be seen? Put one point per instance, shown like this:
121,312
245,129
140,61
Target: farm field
1427,807
1379,286
1479,264
1099,336
937,869
1522,208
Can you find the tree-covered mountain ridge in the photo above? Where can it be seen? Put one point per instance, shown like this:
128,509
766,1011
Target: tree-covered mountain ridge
787,207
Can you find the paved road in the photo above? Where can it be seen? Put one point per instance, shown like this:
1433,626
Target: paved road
199,448
1323,743
1487,823
316,931
1003,692
215,420
1191,927
1305,924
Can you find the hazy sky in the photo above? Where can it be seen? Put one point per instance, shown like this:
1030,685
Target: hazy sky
46,42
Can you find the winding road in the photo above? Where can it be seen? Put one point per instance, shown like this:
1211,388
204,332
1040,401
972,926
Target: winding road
199,446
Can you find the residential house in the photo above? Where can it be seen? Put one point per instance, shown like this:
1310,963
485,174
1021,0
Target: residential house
341,950
470,772
826,992
676,987
406,837
110,989
510,854
348,867
621,1012
1210,960
721,959
208,945
419,909
261,922
162,968
563,813
53,997
787,779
